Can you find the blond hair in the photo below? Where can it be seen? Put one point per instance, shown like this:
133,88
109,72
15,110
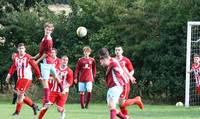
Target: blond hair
87,49
48,24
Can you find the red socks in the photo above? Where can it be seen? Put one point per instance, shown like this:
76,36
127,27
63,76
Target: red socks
89,95
28,101
46,95
19,107
198,90
121,116
82,100
113,113
42,113
124,110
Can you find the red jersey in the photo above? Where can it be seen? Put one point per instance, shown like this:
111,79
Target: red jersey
196,70
66,76
85,69
114,74
23,66
46,46
125,62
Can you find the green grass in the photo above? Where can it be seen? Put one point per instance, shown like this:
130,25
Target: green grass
100,111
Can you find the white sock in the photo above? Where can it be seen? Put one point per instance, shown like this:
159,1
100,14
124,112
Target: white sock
63,115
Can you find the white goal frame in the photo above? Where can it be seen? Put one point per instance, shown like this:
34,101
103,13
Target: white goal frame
188,59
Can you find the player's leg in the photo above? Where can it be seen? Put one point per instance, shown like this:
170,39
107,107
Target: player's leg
89,93
113,95
60,104
137,100
82,89
21,86
26,83
19,103
45,71
123,97
52,99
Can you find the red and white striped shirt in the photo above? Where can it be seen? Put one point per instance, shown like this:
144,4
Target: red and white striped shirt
115,75
66,76
196,70
23,66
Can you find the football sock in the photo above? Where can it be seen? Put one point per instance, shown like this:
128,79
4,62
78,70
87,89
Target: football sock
124,110
82,100
121,116
113,114
89,95
42,113
46,95
19,107
28,101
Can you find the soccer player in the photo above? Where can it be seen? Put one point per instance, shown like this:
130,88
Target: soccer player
115,80
56,95
47,66
126,63
196,70
85,74
22,63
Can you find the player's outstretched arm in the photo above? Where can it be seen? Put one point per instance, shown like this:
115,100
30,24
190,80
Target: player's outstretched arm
11,72
41,58
35,57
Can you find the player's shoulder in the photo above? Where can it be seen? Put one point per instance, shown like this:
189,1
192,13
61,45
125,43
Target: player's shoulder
28,56
114,62
69,69
81,58
91,58
126,58
16,55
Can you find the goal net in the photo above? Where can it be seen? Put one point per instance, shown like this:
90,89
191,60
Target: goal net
193,47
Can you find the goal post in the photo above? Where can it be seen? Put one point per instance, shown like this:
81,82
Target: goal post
193,47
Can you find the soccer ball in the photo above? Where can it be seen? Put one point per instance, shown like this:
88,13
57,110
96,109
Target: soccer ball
81,31
179,104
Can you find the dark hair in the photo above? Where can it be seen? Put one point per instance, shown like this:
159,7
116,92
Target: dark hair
20,45
196,55
103,53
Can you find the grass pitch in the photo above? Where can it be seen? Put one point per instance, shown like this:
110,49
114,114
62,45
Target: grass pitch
100,111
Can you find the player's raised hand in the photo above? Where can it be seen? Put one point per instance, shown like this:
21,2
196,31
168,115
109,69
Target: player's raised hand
133,80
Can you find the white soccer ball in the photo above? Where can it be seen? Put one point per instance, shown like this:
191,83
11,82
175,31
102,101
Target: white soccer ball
81,31
179,104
